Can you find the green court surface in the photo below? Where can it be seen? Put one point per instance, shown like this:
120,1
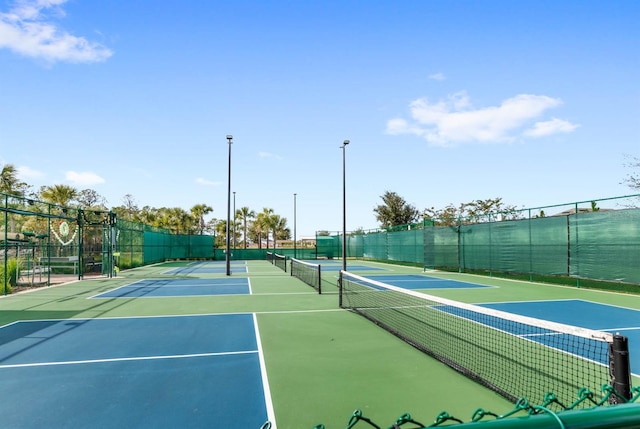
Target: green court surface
322,362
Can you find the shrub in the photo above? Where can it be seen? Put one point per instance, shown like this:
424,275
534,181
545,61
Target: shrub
12,274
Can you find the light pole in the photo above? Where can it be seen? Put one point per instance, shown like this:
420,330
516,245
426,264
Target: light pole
295,255
234,221
344,208
228,256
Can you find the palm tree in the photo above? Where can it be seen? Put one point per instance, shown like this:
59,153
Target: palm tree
198,211
221,232
263,223
175,219
280,229
245,213
183,222
9,182
61,195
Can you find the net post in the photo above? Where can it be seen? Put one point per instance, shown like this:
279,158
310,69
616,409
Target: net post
319,279
340,289
620,369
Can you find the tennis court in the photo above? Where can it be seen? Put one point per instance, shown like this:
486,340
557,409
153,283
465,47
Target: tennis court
586,314
419,281
133,372
180,287
208,268
276,350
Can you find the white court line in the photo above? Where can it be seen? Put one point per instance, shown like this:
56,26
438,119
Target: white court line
78,362
271,415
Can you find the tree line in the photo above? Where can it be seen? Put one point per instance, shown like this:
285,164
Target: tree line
247,227
250,228
396,211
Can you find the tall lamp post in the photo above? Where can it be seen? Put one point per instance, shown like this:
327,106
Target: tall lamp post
295,255
234,221
228,254
344,208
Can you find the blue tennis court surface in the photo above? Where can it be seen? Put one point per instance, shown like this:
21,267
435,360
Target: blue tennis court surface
338,267
419,281
575,312
155,372
209,268
585,314
181,287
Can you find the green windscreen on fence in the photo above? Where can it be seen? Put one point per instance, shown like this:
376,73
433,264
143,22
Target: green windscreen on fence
581,243
406,245
441,247
517,246
328,247
139,244
605,245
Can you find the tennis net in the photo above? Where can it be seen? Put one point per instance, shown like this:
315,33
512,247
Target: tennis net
307,272
514,355
280,261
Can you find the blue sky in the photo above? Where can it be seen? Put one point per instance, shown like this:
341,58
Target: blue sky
444,102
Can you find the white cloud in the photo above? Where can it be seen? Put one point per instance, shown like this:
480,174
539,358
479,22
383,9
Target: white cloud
269,155
454,121
547,128
205,182
437,76
85,178
25,172
28,30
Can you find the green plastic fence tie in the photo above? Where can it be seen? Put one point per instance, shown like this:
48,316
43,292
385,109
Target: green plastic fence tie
403,419
356,417
608,391
584,394
442,418
521,405
480,413
552,398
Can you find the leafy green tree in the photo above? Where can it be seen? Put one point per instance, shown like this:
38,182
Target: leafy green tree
395,211
90,198
130,207
479,210
474,212
447,216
